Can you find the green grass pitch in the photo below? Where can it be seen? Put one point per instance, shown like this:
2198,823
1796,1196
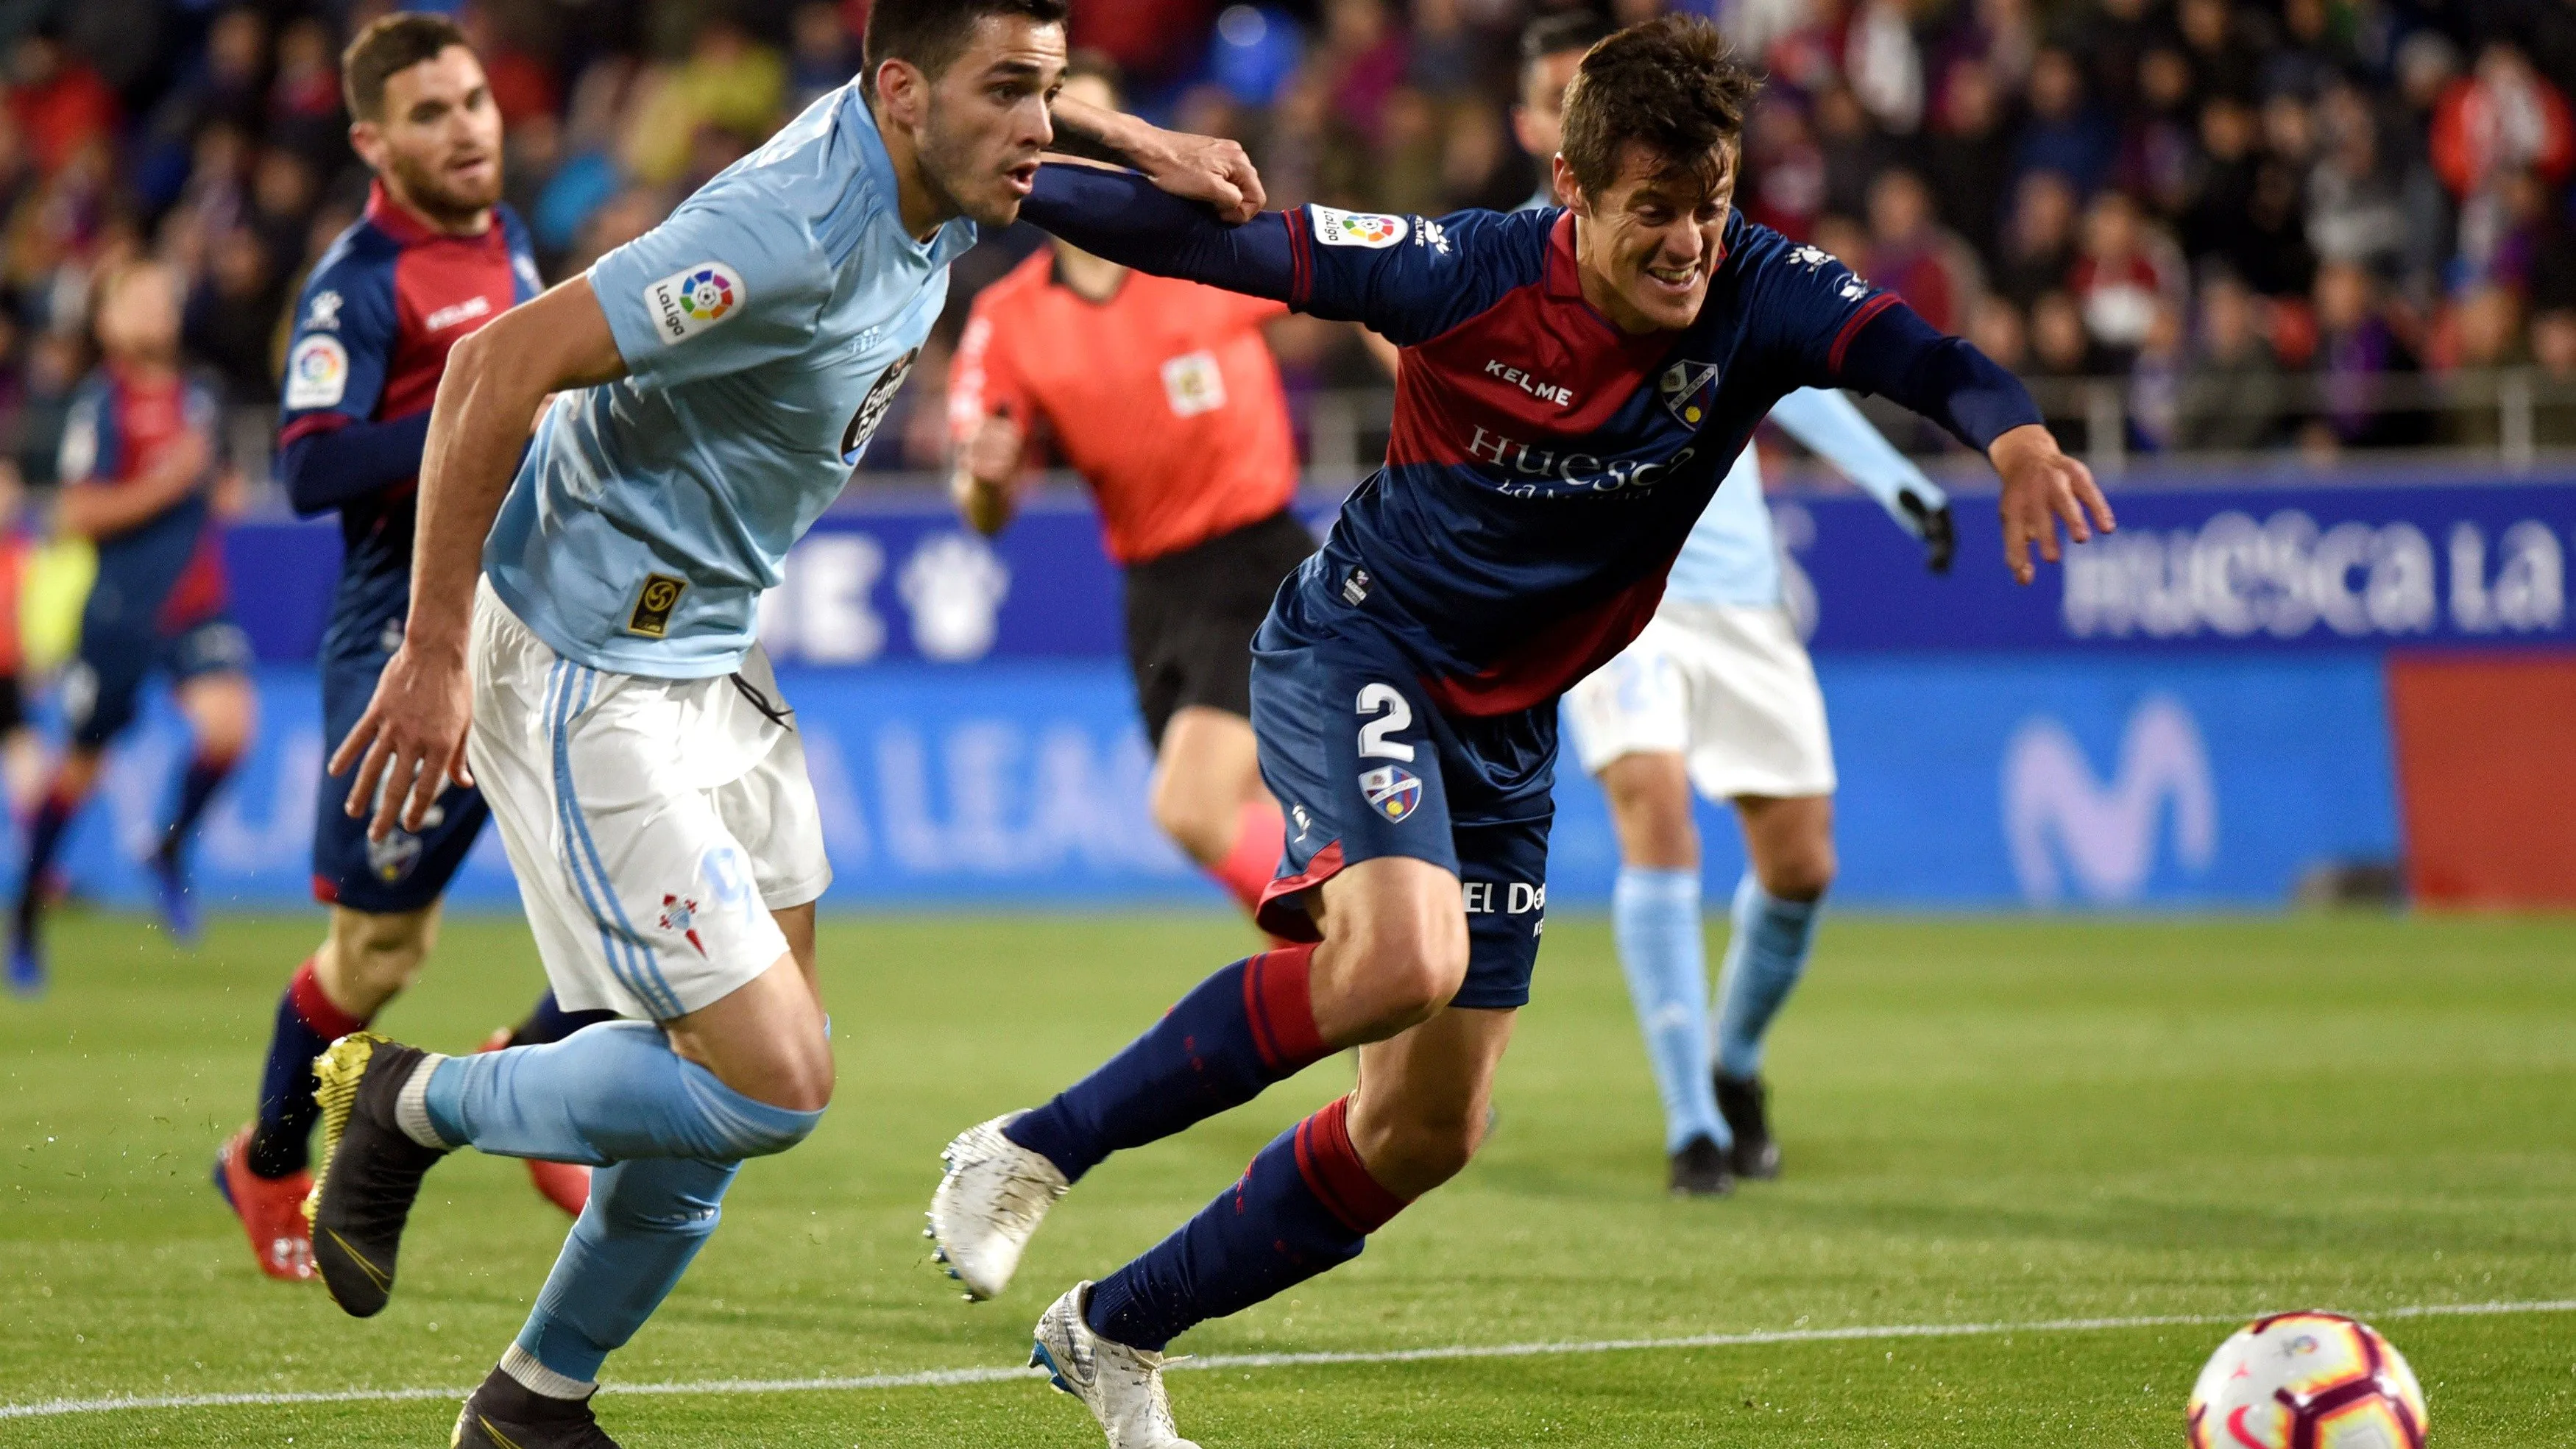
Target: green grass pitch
1985,1122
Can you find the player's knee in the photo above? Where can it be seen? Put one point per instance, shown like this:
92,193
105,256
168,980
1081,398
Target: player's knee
371,958
1182,811
1408,976
1804,874
1423,1149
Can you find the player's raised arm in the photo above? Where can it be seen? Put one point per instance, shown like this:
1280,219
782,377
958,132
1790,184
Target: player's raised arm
411,740
1199,168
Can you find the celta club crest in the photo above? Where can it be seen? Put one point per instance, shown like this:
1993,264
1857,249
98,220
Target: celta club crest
682,916
1689,390
1391,791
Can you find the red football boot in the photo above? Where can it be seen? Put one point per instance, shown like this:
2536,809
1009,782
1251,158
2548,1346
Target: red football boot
565,1184
271,1210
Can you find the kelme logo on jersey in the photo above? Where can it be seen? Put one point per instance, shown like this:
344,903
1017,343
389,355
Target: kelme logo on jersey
317,373
1335,227
653,605
693,299
1689,391
1391,790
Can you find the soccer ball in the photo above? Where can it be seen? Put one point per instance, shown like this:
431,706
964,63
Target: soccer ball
2306,1381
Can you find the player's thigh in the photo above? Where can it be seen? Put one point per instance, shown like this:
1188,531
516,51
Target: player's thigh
765,1039
209,665
1425,1096
102,688
1757,712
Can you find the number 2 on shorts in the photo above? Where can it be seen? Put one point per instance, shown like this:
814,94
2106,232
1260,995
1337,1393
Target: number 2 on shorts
1392,713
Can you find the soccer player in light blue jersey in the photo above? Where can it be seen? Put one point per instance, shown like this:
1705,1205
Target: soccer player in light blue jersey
583,650
1717,693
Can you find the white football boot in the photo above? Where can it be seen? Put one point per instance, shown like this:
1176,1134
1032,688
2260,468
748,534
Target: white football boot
989,1205
1121,1386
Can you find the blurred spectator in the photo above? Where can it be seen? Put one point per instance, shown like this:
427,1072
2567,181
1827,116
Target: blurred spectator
2356,351
2487,328
822,58
2122,276
2230,400
2223,63
1996,328
730,83
2157,150
2112,37
2066,133
55,362
304,114
2553,347
1363,60
231,317
1961,155
1853,147
2039,246
2060,345
1550,51
2354,211
2156,379
1785,167
2501,119
1911,255
59,104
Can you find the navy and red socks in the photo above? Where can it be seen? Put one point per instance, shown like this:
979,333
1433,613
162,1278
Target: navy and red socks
206,774
307,1021
44,837
1237,1032
1305,1206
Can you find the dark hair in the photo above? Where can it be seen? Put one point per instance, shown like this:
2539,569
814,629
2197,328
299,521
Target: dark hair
1671,84
933,33
1565,30
388,46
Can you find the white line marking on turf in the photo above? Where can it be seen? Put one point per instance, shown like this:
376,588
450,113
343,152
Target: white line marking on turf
950,1378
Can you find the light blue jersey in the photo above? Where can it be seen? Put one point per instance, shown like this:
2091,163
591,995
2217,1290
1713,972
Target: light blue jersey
765,327
1730,557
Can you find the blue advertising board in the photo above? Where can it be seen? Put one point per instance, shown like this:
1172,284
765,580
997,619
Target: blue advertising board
2191,713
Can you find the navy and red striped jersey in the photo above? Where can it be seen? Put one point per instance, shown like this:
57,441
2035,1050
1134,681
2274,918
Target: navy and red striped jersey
170,567
1545,466
372,332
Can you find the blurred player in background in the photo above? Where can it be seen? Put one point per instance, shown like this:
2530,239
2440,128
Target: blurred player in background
583,630
1718,693
1163,395
434,258
1575,386
142,481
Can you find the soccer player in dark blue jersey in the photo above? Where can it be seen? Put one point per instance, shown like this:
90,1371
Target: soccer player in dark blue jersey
1574,385
140,478
435,257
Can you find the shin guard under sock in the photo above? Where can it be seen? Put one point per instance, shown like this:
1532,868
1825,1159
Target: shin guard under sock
1237,1032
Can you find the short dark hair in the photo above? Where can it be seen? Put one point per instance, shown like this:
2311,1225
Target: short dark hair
933,33
1565,30
390,45
1673,85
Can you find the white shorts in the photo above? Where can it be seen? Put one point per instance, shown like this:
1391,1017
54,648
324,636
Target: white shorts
653,824
1728,687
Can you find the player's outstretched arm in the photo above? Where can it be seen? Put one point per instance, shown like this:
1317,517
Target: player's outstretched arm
986,485
1888,350
1127,219
1199,168
96,510
411,740
1828,425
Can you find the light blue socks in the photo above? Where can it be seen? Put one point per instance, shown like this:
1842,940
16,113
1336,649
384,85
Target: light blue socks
609,1094
646,1220
603,1095
1655,915
1765,955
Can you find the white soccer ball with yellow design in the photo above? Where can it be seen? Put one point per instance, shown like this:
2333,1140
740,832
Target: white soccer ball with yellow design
2306,1381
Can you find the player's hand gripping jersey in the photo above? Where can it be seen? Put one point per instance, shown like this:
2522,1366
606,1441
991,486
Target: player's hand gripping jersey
1544,466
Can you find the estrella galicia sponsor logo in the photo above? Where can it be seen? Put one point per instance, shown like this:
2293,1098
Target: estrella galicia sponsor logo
653,605
1689,391
872,408
1374,230
693,299
1391,791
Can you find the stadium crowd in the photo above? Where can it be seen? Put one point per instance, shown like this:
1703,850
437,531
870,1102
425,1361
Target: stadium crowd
2227,205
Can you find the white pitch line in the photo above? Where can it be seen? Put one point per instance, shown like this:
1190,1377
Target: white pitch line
949,1378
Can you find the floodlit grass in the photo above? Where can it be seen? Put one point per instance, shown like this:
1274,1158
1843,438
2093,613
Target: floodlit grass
1984,1123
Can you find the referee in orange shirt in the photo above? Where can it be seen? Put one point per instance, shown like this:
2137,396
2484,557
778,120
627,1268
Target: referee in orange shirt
1163,395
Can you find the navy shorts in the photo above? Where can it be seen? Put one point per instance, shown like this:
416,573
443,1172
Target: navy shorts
404,872
1366,766
104,686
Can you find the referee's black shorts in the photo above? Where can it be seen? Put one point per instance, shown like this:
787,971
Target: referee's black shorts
1191,615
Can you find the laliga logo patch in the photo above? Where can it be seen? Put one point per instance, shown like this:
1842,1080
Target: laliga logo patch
1392,791
1335,227
1689,391
317,373
693,299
